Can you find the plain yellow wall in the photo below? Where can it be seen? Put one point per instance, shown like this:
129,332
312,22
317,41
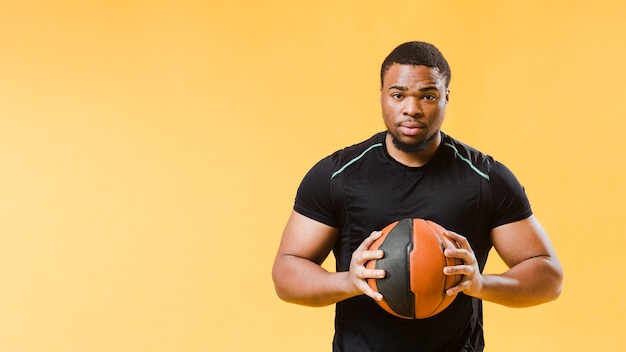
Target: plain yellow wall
150,152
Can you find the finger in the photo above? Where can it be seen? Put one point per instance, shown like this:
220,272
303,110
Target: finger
460,240
371,255
366,289
466,256
366,273
465,270
458,288
362,254
370,239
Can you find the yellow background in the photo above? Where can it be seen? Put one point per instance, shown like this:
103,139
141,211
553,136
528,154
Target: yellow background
150,152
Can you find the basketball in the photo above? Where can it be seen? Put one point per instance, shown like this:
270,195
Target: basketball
414,286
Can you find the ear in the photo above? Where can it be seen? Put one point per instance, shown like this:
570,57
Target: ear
447,95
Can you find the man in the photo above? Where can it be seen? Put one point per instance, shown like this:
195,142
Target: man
413,170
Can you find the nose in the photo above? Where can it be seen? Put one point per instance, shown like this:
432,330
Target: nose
412,107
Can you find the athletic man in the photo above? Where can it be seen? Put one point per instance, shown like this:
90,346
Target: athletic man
413,170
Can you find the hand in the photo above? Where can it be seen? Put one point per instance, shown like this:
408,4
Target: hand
472,280
359,273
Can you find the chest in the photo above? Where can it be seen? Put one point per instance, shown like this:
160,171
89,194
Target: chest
375,199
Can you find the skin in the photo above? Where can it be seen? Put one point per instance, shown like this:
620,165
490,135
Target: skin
413,101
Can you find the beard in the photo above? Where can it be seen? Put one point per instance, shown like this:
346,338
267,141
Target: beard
413,147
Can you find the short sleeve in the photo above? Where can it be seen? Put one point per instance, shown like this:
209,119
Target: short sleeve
509,198
314,197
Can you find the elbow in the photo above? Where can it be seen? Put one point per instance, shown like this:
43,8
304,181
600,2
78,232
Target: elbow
287,295
553,283
281,292
547,286
553,294
293,291
282,295
282,286
557,282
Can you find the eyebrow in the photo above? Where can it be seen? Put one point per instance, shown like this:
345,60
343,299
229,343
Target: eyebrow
423,89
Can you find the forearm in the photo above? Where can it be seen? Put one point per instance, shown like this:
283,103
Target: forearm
298,280
534,281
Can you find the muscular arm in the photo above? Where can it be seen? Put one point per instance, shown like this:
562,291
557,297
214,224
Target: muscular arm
298,275
534,275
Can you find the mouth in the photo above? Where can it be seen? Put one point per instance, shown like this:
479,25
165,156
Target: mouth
411,129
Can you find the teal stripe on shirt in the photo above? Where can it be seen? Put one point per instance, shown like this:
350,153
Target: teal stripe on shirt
469,162
355,159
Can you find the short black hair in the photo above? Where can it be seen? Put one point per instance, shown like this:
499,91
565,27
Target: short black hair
417,53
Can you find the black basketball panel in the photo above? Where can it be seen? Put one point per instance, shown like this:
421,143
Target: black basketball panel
396,285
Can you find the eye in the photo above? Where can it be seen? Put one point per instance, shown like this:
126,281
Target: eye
430,97
396,95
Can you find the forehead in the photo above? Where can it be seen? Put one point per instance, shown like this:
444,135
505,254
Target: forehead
409,75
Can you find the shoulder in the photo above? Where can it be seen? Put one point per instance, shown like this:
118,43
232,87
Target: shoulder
335,163
344,158
359,149
317,192
481,163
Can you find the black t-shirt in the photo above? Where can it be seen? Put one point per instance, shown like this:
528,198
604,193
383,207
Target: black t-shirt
361,189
